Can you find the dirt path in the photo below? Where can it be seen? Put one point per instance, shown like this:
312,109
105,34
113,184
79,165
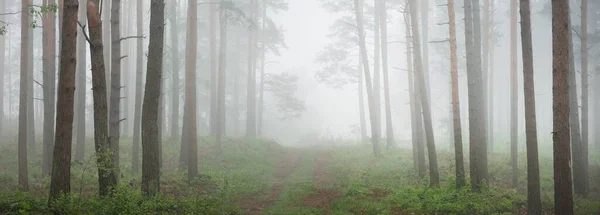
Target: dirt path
256,204
323,179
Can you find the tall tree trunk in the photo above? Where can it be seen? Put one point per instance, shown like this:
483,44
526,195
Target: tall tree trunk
434,180
534,203
31,144
458,147
361,102
358,11
150,129
514,97
175,78
485,42
221,77
251,82
411,93
481,128
376,70
563,190
49,75
2,71
106,176
114,117
106,32
386,86
183,148
584,96
214,104
490,74
190,131
80,83
137,113
577,153
24,73
60,182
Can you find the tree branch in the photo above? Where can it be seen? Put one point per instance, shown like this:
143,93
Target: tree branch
132,37
121,120
38,99
83,31
440,41
41,85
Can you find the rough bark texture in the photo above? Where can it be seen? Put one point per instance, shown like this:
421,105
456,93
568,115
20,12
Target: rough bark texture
114,126
175,72
150,139
514,97
22,136
190,131
137,113
80,83
49,79
251,82
458,148
107,179
386,86
534,203
214,104
563,191
584,97
60,181
434,180
358,11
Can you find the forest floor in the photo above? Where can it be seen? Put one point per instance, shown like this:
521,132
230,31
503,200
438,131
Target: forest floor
263,177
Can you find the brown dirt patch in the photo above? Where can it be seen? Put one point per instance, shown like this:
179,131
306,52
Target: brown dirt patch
322,196
257,203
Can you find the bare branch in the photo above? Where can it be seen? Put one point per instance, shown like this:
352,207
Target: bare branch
440,41
132,37
121,120
443,23
84,34
122,57
41,85
38,99
12,13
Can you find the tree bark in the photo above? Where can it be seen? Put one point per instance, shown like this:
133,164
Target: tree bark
534,203
137,115
514,97
80,83
24,73
358,11
60,181
411,93
386,86
150,139
190,91
175,78
482,130
458,147
114,129
106,176
433,167
106,32
49,75
584,97
563,191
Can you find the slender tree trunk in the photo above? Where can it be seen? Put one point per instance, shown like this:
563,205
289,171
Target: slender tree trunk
175,78
80,83
22,139
106,176
481,129
114,129
563,190
386,86
376,69
190,91
263,41
251,82
534,203
458,147
137,115
49,75
577,153
106,17
414,116
150,128
221,77
433,168
361,102
358,11
183,148
584,96
3,72
60,182
514,97
31,144
490,74
214,104
485,67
